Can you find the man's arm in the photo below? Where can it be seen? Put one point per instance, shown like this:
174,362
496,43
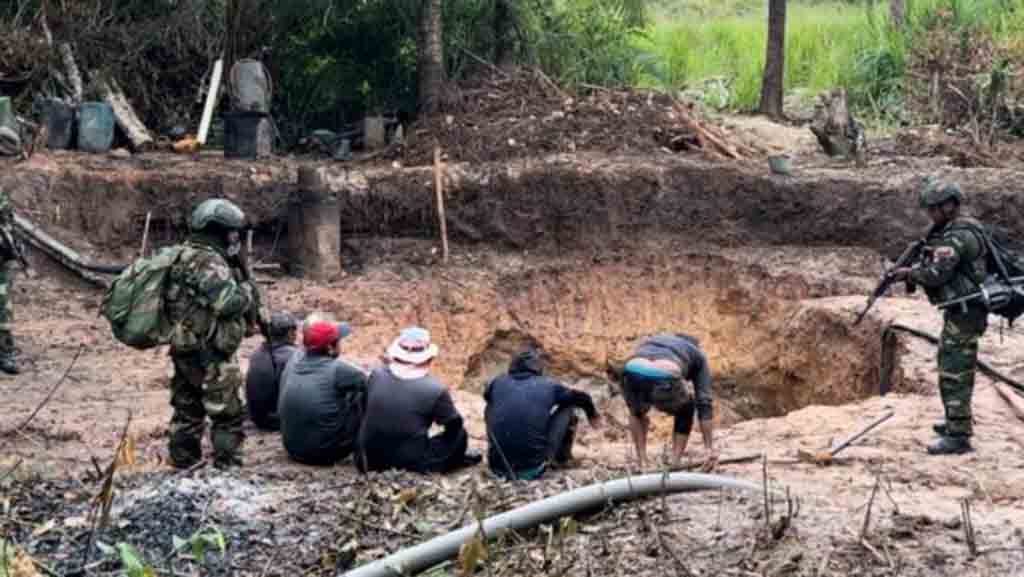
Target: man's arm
227,298
703,399
566,397
446,415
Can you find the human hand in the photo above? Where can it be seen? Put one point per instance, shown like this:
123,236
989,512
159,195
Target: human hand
899,274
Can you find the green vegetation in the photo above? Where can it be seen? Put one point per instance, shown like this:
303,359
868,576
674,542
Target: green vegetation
716,47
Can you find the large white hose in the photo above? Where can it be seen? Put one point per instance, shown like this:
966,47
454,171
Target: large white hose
425,555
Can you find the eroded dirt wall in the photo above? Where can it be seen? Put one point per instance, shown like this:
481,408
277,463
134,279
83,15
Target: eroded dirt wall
555,204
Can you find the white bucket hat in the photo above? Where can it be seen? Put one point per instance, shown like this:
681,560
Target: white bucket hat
412,347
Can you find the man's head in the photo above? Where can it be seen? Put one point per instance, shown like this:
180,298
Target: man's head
283,328
413,348
323,337
220,220
942,200
528,361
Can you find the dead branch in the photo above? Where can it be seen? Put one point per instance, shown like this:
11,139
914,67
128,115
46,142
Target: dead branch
74,75
125,115
867,513
968,524
53,391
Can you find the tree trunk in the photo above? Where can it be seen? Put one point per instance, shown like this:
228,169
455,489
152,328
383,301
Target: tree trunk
775,60
503,24
897,13
431,57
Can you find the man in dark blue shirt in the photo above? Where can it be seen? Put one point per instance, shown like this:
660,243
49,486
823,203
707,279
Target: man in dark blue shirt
530,419
263,380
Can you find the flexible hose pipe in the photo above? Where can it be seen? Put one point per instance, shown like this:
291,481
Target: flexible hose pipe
414,559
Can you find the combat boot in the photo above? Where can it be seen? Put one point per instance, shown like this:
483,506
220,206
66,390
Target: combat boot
947,445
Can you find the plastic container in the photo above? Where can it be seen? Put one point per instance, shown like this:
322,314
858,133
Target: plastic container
59,118
7,113
95,127
251,86
247,135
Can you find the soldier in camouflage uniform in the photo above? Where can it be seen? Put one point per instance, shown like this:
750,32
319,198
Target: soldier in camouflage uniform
7,255
213,307
953,267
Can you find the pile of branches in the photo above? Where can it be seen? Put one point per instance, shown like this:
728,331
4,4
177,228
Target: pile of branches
961,78
159,52
501,114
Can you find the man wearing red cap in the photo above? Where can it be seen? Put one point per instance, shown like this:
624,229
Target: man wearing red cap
322,397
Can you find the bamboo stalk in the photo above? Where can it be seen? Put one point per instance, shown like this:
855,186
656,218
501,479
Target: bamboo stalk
439,192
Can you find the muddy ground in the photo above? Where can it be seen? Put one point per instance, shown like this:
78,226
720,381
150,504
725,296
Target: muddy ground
767,271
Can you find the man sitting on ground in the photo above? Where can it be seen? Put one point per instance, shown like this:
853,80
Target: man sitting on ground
322,398
263,381
531,419
654,376
403,401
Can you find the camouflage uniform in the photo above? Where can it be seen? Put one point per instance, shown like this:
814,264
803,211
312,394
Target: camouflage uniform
209,303
7,254
954,267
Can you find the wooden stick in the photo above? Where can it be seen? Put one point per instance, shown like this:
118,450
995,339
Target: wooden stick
863,432
439,192
145,235
248,244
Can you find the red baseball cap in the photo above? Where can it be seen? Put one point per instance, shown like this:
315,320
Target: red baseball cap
320,335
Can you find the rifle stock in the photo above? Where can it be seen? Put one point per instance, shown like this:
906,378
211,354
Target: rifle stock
911,254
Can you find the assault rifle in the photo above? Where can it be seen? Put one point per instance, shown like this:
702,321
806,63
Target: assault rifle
242,260
910,255
14,247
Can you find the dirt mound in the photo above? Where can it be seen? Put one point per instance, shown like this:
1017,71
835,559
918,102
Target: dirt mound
518,113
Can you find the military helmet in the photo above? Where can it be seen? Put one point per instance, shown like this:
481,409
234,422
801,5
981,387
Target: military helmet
936,193
217,211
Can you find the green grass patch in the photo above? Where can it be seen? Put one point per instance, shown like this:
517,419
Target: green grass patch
724,56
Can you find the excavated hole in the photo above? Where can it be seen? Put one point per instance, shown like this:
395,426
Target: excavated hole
772,346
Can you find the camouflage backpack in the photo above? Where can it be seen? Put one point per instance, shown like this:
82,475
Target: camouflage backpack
134,303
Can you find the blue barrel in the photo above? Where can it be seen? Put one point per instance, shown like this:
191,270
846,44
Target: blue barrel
95,127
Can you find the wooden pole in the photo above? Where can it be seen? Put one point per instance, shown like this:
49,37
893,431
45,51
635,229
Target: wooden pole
439,191
248,244
145,235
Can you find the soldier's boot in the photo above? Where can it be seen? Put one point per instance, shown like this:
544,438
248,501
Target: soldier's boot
948,445
8,365
940,428
185,448
227,439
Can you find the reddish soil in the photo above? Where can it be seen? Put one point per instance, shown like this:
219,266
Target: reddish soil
581,256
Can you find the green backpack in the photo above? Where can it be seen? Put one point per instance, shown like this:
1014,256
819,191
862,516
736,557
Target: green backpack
134,303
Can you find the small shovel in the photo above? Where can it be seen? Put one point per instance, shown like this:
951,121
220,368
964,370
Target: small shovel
825,457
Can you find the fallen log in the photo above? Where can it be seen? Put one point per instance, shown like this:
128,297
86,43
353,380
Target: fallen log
74,76
125,116
65,256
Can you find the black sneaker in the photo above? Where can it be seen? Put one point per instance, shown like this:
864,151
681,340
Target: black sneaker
472,457
950,446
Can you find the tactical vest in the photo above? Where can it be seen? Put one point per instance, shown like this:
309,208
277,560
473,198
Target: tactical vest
196,327
970,271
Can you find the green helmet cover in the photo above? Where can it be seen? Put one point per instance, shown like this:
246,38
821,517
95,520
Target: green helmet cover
217,211
935,193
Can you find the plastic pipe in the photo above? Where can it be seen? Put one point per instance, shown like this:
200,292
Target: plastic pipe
414,559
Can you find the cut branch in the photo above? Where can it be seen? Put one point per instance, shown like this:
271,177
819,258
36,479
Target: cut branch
125,115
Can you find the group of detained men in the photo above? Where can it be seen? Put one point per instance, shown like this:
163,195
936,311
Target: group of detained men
327,408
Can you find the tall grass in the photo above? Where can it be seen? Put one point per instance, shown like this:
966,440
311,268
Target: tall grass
716,48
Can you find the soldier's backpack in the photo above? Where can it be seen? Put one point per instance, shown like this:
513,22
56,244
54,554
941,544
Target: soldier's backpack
1002,293
134,303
